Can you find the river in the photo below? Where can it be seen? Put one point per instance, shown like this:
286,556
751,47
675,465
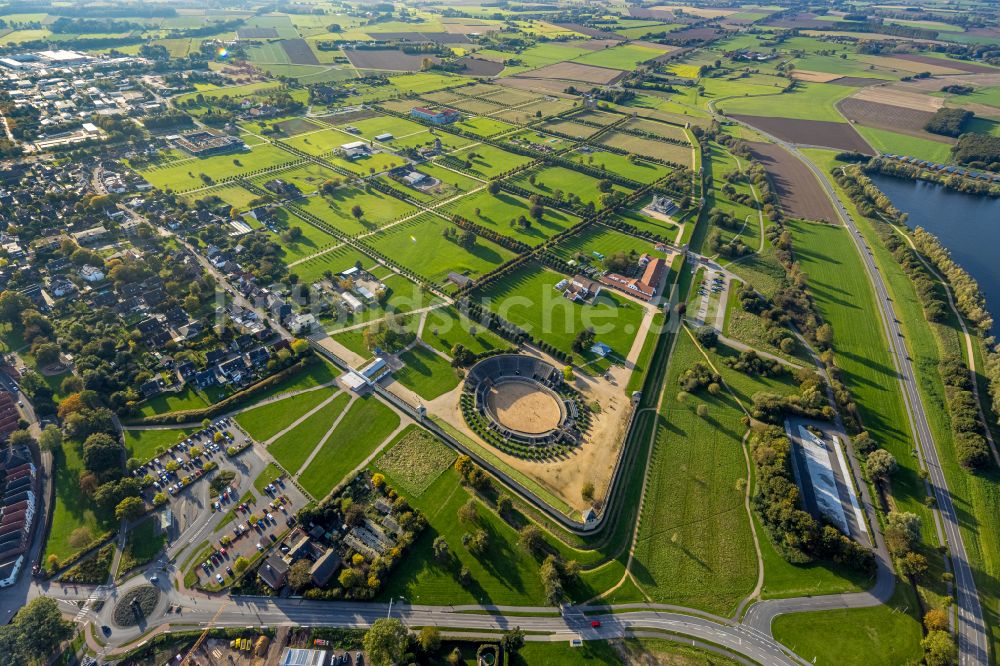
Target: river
967,224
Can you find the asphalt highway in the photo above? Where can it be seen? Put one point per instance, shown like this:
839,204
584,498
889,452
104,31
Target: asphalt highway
971,630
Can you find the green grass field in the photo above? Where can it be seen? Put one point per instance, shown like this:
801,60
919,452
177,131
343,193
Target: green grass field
904,144
143,444
527,297
809,101
73,509
419,245
555,180
426,373
635,169
694,544
501,211
446,327
489,161
879,635
483,126
187,174
366,424
188,398
619,57
604,241
265,421
293,448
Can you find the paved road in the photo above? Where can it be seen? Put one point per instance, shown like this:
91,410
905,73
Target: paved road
971,629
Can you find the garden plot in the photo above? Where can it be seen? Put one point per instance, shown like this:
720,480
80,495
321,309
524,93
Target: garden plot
419,245
662,130
502,211
569,128
475,106
648,147
540,109
489,161
415,459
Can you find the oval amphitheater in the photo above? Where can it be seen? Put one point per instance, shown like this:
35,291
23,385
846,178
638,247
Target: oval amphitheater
519,398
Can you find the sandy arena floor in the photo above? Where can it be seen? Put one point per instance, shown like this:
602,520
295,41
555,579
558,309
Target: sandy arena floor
523,407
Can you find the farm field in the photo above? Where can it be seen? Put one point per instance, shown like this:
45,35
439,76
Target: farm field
810,101
647,147
811,132
620,57
367,423
796,186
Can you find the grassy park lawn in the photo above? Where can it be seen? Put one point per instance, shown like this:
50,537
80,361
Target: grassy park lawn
501,210
366,424
426,373
234,195
623,165
604,241
489,161
270,473
144,444
293,448
312,240
694,545
550,180
545,314
143,543
191,173
446,327
377,209
483,126
504,574
185,399
809,101
879,635
419,245
73,510
265,421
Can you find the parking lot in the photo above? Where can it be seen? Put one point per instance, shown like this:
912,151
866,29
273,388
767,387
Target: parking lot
249,522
